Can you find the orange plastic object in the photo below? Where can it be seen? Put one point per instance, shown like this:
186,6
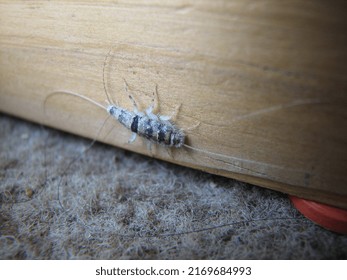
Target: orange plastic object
329,217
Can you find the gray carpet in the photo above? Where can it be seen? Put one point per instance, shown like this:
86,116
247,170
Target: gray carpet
114,204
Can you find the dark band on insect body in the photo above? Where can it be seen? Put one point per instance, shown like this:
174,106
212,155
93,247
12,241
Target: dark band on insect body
148,133
161,134
135,124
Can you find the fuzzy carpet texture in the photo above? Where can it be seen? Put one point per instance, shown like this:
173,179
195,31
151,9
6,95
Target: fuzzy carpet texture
113,204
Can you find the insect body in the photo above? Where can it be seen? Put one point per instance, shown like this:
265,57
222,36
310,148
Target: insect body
157,129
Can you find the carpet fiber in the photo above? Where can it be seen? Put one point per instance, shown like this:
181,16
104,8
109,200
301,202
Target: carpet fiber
113,204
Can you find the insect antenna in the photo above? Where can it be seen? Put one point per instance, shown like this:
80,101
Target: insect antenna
109,98
63,174
226,159
230,224
239,224
73,94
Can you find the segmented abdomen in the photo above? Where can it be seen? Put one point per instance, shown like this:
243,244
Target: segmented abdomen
155,130
161,132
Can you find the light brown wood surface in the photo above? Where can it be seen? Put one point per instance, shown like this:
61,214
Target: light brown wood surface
266,80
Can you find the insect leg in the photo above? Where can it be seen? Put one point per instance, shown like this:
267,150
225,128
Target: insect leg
149,148
173,115
193,127
136,110
132,138
154,105
150,114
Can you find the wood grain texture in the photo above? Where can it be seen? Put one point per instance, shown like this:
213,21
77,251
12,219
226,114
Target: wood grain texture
266,80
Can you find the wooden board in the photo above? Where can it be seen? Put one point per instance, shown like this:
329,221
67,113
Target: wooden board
266,80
